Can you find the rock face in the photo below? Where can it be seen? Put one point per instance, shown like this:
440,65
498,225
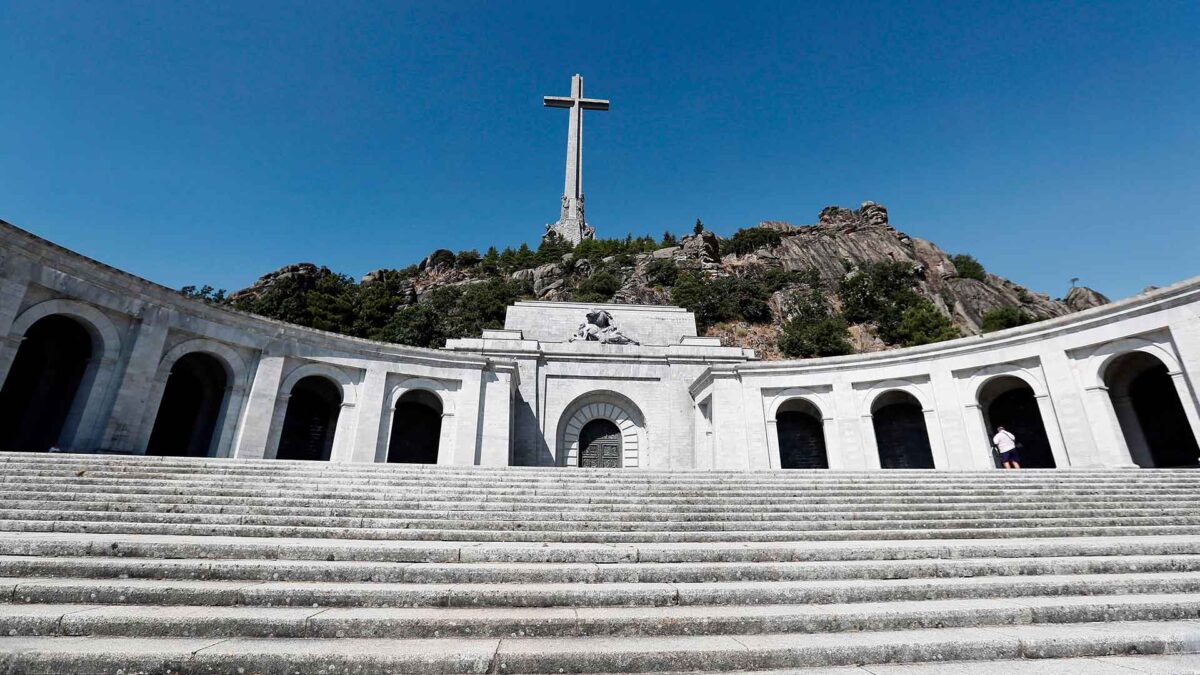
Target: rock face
840,242
1080,298
304,275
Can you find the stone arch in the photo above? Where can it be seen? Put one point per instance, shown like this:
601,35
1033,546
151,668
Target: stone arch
237,381
330,372
416,427
888,386
1010,401
104,333
311,420
442,391
901,423
436,387
1104,356
983,376
1118,430
1150,411
815,435
801,437
342,440
81,426
608,405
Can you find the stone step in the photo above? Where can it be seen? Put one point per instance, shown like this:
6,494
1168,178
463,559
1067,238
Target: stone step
583,573
150,546
789,488
784,505
504,622
585,518
672,506
498,524
1110,527
934,482
134,462
64,590
270,656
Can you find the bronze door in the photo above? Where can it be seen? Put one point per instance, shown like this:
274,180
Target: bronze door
603,445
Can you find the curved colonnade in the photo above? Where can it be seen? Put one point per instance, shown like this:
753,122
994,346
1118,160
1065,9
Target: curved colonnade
97,360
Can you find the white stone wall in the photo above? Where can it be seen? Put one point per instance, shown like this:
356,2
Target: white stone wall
1062,361
140,330
520,396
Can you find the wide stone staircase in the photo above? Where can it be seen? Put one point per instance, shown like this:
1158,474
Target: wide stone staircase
170,565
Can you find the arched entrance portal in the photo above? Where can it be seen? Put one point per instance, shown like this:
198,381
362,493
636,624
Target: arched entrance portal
900,432
1152,418
416,428
801,436
312,414
600,445
43,384
191,405
1009,402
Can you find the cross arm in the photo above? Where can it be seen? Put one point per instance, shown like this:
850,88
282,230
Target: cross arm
558,101
593,104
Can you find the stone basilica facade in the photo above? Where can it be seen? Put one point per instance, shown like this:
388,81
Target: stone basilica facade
97,360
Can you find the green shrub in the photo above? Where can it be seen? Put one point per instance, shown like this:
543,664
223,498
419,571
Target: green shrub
968,267
441,258
722,299
600,287
466,259
811,329
1005,317
662,272
750,239
923,323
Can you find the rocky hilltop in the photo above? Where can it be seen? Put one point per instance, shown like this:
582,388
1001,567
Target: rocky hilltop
787,269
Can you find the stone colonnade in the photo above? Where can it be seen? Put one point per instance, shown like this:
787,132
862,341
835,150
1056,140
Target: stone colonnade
1109,387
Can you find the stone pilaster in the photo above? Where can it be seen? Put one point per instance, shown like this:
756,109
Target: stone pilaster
137,396
258,420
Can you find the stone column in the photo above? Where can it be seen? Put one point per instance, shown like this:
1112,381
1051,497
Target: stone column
137,396
265,407
1189,402
870,444
776,462
960,452
468,427
365,447
1058,447
729,419
83,429
496,420
235,397
937,443
1112,450
829,430
980,441
12,295
343,433
1074,410
1131,430
846,447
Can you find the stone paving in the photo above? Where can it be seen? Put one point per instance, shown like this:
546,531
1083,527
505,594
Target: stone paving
156,565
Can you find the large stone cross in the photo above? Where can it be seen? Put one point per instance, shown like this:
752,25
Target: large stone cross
571,224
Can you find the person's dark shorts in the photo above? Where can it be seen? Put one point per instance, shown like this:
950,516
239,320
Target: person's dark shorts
1010,456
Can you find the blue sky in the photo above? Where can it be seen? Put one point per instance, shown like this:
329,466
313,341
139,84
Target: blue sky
211,142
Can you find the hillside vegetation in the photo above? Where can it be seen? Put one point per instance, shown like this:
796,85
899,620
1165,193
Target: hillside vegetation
849,283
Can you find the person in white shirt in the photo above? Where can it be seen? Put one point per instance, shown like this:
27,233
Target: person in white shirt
1006,444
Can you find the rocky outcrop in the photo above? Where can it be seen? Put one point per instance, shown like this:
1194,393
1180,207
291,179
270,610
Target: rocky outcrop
304,276
836,246
1080,298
